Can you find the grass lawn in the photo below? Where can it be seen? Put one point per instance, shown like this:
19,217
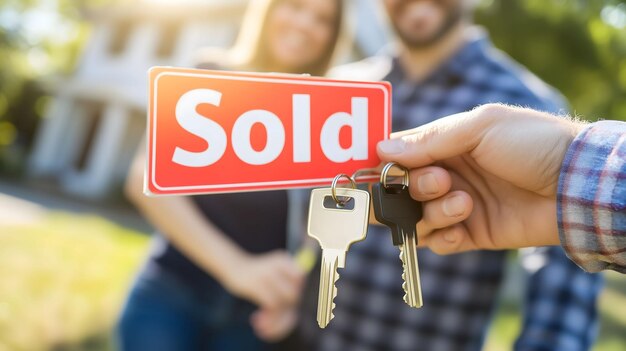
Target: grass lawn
63,281
64,278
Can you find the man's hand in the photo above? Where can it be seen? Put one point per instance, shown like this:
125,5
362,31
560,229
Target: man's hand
488,178
273,325
272,280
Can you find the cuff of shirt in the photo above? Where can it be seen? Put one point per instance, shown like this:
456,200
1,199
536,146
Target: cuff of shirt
590,200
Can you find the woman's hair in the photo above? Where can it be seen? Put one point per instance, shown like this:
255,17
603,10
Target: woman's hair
251,49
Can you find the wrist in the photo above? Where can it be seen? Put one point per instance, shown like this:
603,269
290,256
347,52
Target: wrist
231,264
574,128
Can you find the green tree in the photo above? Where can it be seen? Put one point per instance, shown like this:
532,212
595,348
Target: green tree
577,46
39,40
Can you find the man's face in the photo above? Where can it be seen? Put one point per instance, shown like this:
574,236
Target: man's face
420,23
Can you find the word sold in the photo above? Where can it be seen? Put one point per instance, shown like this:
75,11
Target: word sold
216,131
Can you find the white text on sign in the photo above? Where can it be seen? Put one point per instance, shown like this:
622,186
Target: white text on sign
217,139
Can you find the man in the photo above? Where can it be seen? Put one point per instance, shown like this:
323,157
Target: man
560,183
443,65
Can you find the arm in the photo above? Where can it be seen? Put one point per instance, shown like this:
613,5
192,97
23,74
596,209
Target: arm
268,280
571,319
507,164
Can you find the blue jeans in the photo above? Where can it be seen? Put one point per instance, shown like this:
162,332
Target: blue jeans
164,314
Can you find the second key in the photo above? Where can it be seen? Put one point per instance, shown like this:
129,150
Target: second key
394,207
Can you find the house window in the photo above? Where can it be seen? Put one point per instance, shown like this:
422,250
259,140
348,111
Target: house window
119,37
167,41
93,115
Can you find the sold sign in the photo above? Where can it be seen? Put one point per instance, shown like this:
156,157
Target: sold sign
214,131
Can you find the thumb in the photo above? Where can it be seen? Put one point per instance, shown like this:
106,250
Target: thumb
444,138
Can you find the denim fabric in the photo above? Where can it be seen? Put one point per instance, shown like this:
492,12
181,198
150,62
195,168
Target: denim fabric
163,314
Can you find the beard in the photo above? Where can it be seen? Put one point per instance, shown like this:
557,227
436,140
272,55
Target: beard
452,18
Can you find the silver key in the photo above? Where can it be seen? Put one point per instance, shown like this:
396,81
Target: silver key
335,227
410,270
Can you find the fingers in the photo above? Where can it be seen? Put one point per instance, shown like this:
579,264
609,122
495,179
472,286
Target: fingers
273,325
265,296
429,183
274,291
284,280
284,291
261,322
441,208
444,138
441,139
450,240
446,211
290,268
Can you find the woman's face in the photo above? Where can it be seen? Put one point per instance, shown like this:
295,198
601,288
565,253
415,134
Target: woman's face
299,32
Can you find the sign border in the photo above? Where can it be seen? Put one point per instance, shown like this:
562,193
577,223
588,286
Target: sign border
179,190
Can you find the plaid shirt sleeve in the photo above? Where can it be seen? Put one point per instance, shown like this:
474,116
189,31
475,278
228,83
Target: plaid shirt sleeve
591,198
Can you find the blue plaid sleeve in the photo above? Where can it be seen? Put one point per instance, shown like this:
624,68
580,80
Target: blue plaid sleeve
591,198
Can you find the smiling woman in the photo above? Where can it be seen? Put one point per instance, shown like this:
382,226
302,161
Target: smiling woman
289,36
220,277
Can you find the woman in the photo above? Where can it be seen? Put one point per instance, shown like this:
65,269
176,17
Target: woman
220,255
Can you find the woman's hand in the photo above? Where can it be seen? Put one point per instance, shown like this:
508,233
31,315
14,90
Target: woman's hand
272,280
488,178
269,280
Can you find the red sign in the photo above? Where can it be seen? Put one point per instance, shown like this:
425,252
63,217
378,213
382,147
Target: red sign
214,131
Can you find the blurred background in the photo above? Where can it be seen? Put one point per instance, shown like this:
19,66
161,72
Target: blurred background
72,112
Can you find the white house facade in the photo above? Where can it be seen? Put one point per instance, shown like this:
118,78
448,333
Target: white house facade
97,118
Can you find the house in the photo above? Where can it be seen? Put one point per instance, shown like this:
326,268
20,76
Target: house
97,118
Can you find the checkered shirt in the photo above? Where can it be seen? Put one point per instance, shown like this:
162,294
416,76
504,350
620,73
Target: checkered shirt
459,291
592,198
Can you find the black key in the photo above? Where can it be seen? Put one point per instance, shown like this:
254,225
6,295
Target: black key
395,208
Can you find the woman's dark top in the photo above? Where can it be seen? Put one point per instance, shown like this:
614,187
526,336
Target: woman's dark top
257,222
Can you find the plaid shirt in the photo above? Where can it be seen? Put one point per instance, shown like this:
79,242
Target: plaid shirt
592,198
459,291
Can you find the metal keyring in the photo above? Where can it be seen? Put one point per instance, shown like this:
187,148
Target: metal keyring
364,171
333,188
390,165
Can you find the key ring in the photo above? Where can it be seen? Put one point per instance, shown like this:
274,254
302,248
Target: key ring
385,171
364,171
333,188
